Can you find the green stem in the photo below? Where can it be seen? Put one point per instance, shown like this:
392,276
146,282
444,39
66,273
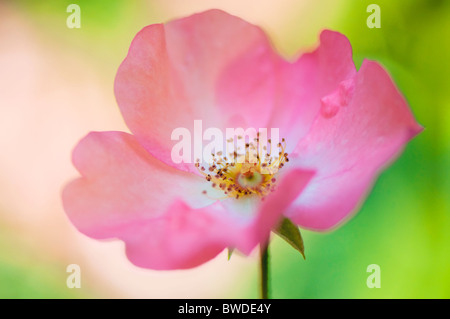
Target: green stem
264,271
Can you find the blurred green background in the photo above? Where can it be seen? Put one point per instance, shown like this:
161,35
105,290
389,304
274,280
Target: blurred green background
404,225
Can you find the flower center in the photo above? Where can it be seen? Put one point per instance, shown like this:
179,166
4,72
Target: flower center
246,172
251,178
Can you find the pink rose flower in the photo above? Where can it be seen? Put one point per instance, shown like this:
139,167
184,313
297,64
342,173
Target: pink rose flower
341,127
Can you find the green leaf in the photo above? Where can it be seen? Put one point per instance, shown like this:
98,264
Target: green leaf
291,234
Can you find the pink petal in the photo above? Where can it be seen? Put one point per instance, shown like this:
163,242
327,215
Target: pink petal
172,73
349,148
185,237
306,81
248,89
122,184
182,238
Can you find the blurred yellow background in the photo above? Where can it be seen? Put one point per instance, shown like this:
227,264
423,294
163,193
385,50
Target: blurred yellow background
56,85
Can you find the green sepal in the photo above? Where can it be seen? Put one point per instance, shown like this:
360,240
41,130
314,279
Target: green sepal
230,252
291,234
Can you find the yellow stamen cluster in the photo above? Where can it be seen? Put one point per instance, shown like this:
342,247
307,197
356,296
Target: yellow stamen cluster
245,173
